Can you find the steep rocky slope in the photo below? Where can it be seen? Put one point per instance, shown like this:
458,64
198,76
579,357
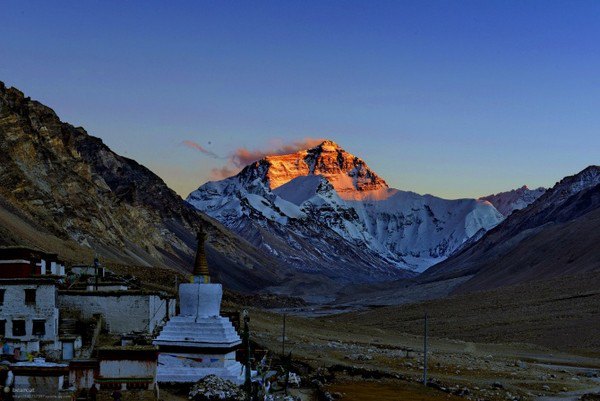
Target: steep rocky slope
517,199
324,210
558,234
65,191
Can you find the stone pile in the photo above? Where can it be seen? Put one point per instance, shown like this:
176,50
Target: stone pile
281,397
212,388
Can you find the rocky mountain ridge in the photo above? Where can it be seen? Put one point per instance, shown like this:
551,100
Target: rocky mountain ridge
342,210
65,191
516,199
347,173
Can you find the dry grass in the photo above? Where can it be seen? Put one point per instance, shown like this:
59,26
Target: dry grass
336,340
387,390
560,314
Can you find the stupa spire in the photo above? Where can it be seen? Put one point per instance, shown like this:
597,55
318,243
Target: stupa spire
201,274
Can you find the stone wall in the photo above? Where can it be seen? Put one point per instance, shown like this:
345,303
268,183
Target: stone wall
124,369
123,311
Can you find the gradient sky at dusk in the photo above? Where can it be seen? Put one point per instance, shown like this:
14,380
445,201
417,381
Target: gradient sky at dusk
452,98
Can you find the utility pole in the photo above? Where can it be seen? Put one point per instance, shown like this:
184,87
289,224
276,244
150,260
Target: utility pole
96,271
283,338
425,353
288,365
177,300
248,367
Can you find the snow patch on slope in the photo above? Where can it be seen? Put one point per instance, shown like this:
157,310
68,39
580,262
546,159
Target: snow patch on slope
300,189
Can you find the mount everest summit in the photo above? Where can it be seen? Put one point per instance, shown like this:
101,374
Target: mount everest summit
323,210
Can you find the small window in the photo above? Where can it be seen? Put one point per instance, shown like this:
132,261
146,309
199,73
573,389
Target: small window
3,328
18,328
2,291
39,328
30,296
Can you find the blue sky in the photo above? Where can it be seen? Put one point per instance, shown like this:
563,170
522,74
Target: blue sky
452,98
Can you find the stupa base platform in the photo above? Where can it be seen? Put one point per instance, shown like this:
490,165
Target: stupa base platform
187,375
198,342
189,368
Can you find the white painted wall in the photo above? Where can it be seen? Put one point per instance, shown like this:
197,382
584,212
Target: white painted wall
127,369
118,370
123,312
14,308
55,268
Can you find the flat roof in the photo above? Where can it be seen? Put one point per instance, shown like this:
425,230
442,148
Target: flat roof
83,363
39,368
112,293
52,280
128,353
22,251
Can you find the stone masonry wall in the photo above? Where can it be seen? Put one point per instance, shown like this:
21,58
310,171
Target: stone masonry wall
123,313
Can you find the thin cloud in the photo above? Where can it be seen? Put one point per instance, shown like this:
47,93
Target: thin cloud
223,172
201,149
241,157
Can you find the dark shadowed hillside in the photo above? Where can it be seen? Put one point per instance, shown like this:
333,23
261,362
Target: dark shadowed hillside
560,313
556,235
65,191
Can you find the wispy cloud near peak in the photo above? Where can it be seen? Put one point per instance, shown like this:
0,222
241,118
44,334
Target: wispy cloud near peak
243,156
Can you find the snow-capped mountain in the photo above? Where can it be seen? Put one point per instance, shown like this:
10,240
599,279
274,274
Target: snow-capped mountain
324,210
569,186
555,235
517,199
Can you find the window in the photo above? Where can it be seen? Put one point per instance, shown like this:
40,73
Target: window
30,296
18,329
2,328
2,291
39,327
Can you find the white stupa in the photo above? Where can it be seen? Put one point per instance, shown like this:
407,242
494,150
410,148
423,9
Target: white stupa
198,342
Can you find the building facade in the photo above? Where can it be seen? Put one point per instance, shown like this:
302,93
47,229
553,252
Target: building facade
20,262
29,315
